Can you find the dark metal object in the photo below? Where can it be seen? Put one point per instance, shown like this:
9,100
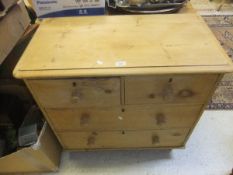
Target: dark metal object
147,6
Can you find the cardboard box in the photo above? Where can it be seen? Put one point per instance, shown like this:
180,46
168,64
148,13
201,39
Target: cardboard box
12,26
60,8
44,156
6,4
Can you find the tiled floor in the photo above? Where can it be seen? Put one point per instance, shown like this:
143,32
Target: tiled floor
208,152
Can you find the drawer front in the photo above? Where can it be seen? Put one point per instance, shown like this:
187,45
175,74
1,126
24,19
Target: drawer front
77,92
128,118
124,139
168,88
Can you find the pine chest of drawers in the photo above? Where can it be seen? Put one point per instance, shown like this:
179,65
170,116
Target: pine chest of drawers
115,82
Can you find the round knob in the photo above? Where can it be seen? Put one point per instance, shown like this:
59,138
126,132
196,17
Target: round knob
160,119
185,93
155,139
90,140
84,119
168,93
75,96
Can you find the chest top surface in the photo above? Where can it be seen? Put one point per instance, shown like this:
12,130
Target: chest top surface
122,45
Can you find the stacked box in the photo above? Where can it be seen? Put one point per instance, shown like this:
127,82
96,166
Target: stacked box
12,26
60,8
6,4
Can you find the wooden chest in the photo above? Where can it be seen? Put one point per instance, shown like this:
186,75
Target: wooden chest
115,82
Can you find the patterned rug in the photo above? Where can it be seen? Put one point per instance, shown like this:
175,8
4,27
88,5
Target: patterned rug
222,27
213,7
220,21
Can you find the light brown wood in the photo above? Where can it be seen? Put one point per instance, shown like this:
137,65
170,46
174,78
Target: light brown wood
120,72
77,92
117,82
181,89
140,117
47,117
124,139
205,103
122,42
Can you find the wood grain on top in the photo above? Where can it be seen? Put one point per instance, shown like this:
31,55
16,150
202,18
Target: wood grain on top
116,45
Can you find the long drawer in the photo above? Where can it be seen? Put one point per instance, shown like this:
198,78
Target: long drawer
127,118
60,93
124,139
168,88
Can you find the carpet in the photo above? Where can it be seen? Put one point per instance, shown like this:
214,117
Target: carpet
222,27
213,7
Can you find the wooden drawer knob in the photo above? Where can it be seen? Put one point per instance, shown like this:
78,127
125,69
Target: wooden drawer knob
75,96
160,119
84,119
91,140
168,93
185,93
155,139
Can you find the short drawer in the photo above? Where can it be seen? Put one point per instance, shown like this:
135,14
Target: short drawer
123,139
168,88
128,118
77,92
